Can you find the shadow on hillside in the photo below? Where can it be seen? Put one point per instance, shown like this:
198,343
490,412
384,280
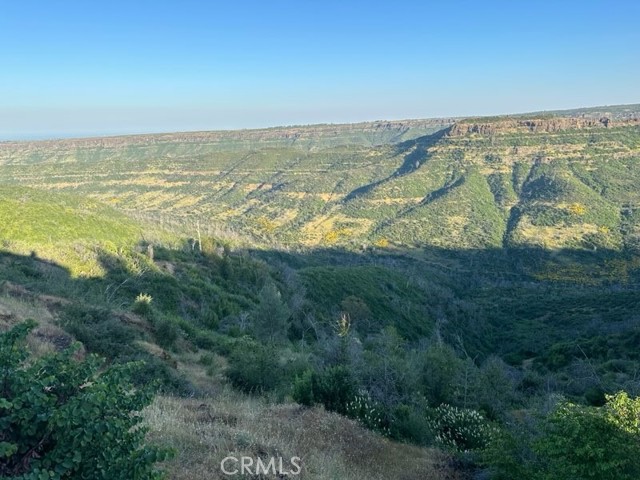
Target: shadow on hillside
415,153
517,303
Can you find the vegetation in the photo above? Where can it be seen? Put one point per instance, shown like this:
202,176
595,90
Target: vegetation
55,410
472,289
573,441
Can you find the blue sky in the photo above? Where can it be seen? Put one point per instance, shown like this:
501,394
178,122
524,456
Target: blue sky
79,68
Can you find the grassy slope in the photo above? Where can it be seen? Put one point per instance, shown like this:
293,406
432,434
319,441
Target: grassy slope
204,431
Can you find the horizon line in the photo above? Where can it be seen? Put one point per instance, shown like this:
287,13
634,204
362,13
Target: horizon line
45,137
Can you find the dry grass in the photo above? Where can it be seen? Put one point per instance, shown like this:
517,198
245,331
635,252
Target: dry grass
204,431
47,336
552,237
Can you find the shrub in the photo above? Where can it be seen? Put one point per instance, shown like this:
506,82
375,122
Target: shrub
271,316
62,418
591,442
253,367
142,304
303,389
368,413
334,388
572,442
440,365
100,331
460,429
166,332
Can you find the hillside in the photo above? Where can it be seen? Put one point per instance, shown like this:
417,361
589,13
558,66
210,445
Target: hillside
552,182
86,272
487,263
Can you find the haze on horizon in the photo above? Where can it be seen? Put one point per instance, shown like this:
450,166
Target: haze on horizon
78,68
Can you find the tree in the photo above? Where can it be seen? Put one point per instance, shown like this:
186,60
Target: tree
386,372
495,389
271,315
590,442
65,418
573,442
440,367
253,366
358,311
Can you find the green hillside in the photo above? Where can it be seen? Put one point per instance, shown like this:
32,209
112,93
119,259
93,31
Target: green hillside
380,270
554,182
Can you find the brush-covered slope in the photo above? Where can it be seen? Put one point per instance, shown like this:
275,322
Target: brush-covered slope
547,181
514,237
65,228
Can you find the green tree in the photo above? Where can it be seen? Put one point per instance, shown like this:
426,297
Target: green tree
358,311
439,371
590,442
64,418
495,387
334,388
271,316
254,367
573,442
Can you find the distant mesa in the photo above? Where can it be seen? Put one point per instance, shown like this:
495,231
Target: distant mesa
534,125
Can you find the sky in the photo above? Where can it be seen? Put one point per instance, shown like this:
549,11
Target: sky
74,68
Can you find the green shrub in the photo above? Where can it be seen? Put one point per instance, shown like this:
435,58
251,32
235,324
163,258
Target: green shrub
573,442
439,367
590,442
368,413
100,331
334,388
142,304
303,389
63,418
253,367
410,424
460,429
271,317
166,332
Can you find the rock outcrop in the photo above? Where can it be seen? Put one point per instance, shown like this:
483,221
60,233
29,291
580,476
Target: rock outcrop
534,125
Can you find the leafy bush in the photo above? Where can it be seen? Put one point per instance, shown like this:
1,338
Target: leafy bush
142,304
573,442
62,418
271,316
365,411
100,331
460,429
166,332
439,365
588,442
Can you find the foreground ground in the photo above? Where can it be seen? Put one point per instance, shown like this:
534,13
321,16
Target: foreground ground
204,431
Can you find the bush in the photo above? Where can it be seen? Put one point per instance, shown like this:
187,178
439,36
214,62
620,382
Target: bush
63,418
460,429
166,332
573,442
254,367
368,413
334,388
100,331
590,442
440,367
142,304
271,317
410,424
